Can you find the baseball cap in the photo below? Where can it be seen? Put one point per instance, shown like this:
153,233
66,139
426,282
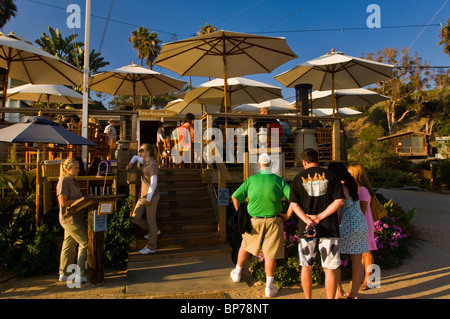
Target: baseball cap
264,158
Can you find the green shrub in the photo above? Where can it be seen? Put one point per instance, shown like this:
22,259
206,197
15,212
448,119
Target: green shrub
120,232
41,255
443,172
389,177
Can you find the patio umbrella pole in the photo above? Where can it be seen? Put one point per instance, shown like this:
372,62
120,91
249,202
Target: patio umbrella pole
85,131
134,96
333,97
38,187
225,81
5,87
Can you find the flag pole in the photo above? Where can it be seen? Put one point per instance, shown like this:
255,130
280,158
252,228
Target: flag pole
85,119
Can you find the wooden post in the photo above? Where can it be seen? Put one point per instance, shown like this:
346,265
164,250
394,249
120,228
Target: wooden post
336,140
222,177
95,271
134,127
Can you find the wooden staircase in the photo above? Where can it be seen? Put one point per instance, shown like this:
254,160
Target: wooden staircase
185,217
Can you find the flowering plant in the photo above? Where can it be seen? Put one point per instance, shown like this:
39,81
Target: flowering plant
393,236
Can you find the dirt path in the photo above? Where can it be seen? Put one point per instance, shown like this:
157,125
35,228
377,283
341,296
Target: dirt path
425,275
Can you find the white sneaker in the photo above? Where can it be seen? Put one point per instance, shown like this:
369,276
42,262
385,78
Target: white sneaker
271,291
235,276
62,278
146,251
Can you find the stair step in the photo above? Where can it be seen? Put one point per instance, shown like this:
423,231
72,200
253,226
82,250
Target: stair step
182,191
166,253
174,241
176,183
184,202
169,214
187,226
163,172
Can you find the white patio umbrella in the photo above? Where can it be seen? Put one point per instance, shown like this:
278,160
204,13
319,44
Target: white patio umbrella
134,80
180,106
343,112
276,106
346,97
29,64
225,54
335,71
240,91
49,93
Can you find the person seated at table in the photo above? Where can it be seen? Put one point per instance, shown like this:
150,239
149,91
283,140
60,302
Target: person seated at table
73,123
261,122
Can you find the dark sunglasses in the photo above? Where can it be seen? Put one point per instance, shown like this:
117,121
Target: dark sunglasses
141,150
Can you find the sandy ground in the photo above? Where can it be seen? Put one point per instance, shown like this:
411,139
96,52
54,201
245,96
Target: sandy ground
425,275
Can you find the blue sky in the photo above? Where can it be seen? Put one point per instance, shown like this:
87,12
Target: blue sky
301,22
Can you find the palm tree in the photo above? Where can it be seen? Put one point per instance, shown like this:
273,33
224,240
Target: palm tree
146,44
140,41
153,49
70,50
444,34
8,10
206,29
57,45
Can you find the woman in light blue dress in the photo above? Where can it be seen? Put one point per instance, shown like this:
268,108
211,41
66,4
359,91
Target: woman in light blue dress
353,230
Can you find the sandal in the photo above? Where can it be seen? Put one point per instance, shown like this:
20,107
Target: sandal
364,287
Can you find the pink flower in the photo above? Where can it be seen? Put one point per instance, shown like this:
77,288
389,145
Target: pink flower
261,256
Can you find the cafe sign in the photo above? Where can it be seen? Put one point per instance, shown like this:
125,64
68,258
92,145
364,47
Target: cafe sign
157,113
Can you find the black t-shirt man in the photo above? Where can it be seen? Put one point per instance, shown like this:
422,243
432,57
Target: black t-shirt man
316,192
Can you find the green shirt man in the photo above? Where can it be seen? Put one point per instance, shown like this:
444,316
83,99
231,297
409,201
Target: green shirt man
265,191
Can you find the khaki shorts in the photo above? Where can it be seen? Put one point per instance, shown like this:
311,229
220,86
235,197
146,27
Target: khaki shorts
267,233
